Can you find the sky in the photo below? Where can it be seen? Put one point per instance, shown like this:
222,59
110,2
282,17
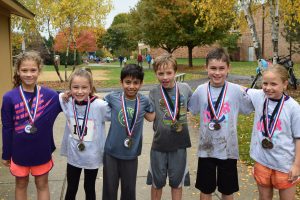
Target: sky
119,6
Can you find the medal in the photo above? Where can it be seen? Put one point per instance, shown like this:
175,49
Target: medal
129,129
216,110
270,125
128,142
217,126
33,129
30,128
81,130
27,128
179,127
267,144
80,146
211,126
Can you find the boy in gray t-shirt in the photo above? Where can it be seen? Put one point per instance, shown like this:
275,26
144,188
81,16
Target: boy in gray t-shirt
124,141
218,102
171,134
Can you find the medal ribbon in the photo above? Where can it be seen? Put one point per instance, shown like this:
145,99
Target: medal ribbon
216,111
80,132
28,107
135,114
270,126
172,112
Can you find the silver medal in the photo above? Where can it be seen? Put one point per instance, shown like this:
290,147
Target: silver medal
211,126
27,128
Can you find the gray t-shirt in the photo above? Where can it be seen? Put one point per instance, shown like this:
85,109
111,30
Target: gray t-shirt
222,143
114,145
166,138
282,155
94,140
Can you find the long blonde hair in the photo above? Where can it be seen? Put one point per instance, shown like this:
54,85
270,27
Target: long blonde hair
29,55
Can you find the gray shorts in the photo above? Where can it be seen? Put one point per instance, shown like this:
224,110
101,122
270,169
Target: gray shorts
172,164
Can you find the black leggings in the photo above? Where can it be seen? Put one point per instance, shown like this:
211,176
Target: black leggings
73,176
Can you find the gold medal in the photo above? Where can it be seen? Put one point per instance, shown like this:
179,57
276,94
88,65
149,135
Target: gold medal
80,146
267,144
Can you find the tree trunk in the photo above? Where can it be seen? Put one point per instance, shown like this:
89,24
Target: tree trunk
190,52
274,14
251,25
68,47
74,58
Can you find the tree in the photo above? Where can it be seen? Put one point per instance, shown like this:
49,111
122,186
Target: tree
119,37
291,19
72,14
173,24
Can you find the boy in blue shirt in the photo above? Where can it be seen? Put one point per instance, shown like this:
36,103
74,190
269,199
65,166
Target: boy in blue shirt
124,141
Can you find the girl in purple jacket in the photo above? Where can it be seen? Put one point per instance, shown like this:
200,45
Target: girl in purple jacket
28,113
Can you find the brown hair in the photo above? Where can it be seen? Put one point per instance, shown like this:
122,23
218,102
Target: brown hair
29,55
164,60
217,54
279,70
86,73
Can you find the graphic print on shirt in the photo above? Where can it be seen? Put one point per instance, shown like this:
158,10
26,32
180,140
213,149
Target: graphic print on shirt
22,118
167,119
207,117
89,131
121,119
260,126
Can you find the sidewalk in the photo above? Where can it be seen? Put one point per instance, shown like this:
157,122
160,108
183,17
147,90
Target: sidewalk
248,190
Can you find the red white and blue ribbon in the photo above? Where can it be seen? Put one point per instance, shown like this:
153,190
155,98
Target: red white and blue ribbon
125,114
27,107
80,132
217,112
172,113
271,127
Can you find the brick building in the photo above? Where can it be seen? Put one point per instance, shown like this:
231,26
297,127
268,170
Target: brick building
246,49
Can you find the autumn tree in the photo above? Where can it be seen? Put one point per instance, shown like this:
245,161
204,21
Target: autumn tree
119,37
55,15
173,24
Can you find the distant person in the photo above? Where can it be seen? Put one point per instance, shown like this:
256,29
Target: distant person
125,61
140,60
121,58
28,113
124,140
84,136
168,156
149,59
275,141
218,102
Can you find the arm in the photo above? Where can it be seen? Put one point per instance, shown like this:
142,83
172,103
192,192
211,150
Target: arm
7,130
294,172
150,116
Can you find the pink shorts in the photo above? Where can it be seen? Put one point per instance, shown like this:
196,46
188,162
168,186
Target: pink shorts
23,171
267,177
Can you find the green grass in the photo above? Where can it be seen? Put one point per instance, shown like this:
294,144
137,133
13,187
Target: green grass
197,72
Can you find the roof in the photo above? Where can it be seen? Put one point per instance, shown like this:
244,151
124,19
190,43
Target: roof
16,8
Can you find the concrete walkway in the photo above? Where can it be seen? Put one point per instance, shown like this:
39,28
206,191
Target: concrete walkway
248,190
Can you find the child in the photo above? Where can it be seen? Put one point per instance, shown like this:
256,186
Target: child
218,102
84,137
275,144
28,114
124,141
168,155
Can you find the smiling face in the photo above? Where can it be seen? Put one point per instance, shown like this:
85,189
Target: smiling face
131,86
273,86
80,88
28,72
166,75
217,71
